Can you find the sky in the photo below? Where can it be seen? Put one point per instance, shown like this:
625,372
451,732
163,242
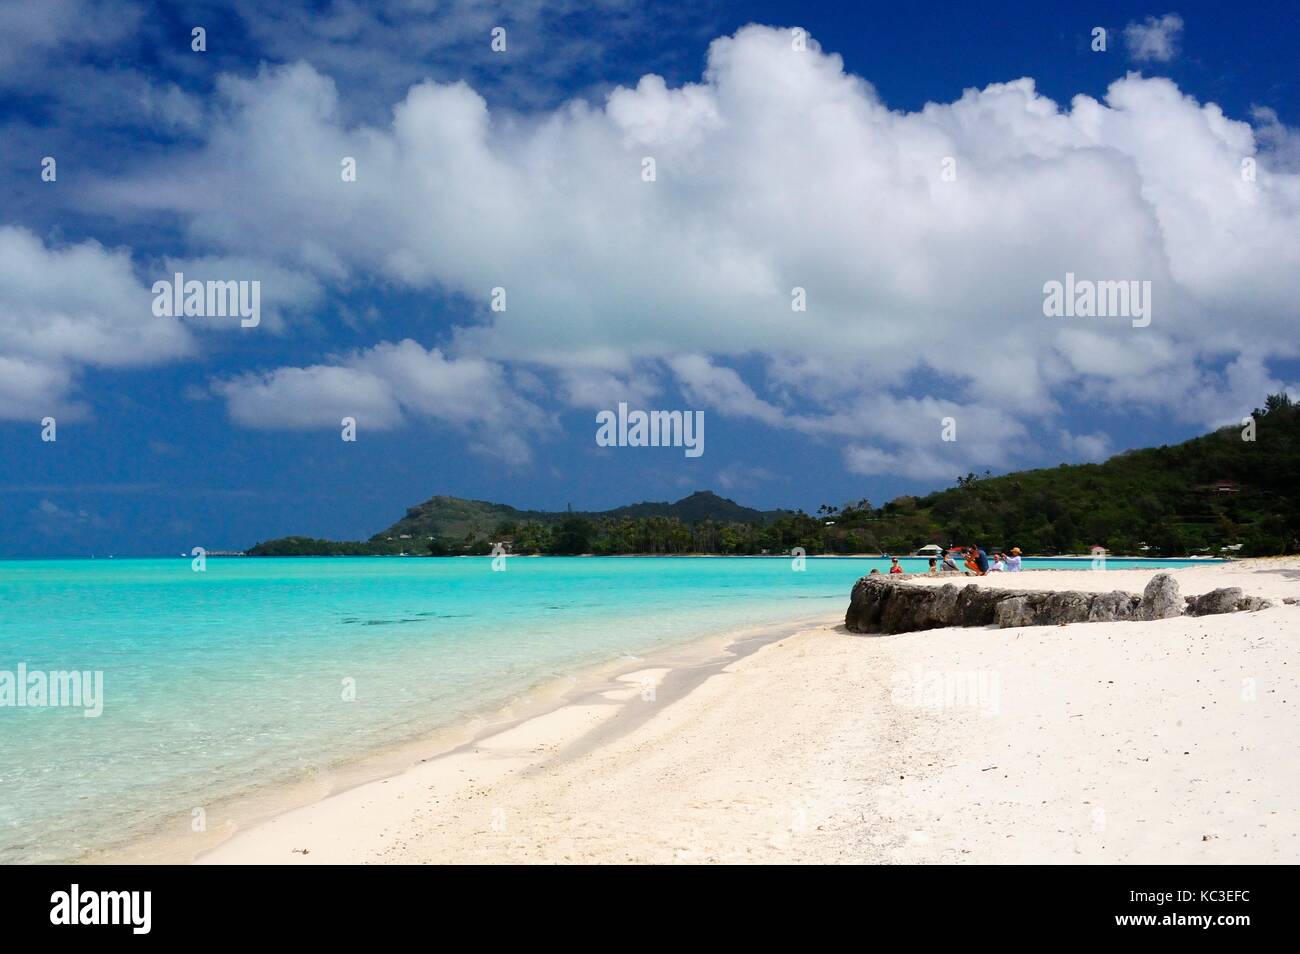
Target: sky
832,231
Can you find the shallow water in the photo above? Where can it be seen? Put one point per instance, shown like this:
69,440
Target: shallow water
218,682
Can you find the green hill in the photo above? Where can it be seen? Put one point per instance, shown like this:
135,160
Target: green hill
458,525
453,518
1207,493
1202,496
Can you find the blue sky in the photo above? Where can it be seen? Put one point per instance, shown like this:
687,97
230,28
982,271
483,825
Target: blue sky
779,164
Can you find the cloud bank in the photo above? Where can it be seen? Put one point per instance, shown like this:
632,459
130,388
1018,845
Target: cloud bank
920,240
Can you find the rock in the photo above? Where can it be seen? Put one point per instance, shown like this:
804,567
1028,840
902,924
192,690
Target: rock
863,615
943,610
890,606
1222,600
1016,611
1161,599
907,610
1249,604
1112,606
970,606
880,604
1070,606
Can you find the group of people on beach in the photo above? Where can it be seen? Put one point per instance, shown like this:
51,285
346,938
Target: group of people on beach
974,560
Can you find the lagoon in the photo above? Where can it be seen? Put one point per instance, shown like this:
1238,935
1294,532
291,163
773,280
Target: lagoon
262,672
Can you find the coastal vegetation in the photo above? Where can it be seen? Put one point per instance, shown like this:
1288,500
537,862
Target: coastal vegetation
1233,490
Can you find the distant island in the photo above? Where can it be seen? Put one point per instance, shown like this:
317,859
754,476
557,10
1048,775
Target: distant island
1219,493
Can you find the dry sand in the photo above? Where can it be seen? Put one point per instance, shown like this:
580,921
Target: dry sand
1175,741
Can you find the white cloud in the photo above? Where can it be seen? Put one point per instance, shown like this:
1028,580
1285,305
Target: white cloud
1092,448
30,389
600,389
918,464
779,170
1228,398
63,308
1280,142
706,386
1155,39
319,396
383,386
932,440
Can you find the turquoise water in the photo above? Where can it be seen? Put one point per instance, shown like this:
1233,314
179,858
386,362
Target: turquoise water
219,681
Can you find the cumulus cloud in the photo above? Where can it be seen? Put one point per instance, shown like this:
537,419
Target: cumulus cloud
1156,38
63,308
914,462
1087,447
383,386
780,170
601,389
1281,142
707,386
924,438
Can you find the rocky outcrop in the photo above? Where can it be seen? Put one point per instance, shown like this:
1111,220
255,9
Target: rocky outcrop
1228,599
1046,609
882,605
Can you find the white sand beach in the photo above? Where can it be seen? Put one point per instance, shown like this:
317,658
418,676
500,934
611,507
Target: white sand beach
1176,741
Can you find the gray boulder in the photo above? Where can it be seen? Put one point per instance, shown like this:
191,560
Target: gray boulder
1021,610
1115,605
1070,606
1161,599
1222,600
943,610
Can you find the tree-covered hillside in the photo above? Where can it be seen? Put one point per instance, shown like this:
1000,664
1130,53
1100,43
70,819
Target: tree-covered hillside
455,518
1215,491
1234,490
